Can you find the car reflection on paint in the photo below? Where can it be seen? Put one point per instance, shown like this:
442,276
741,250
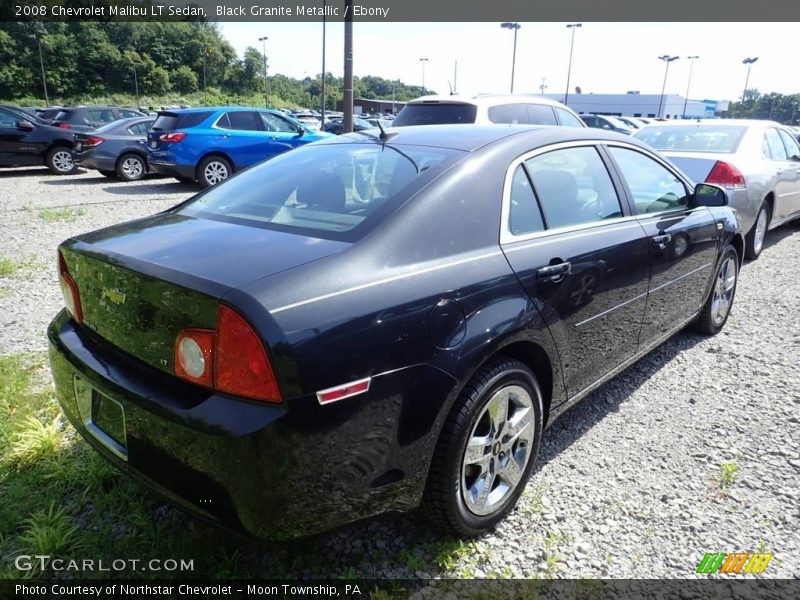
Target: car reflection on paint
382,320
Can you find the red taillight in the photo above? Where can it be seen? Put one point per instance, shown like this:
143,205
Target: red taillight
194,356
172,137
725,175
231,359
92,141
65,126
69,289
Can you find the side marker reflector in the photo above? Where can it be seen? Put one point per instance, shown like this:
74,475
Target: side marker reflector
348,390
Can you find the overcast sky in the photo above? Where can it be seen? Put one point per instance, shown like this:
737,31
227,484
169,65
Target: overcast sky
608,57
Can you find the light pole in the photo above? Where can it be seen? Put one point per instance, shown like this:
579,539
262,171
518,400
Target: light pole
135,85
263,40
205,93
41,64
667,59
423,61
573,27
543,85
324,22
515,27
686,100
749,62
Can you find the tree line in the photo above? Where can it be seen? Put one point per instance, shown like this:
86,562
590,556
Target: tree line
85,60
784,108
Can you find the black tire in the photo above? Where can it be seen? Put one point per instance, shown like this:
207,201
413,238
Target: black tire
109,174
59,161
751,248
448,479
709,321
131,167
210,165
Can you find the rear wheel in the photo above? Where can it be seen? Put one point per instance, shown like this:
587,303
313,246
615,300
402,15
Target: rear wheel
718,306
487,449
131,167
754,241
59,161
212,170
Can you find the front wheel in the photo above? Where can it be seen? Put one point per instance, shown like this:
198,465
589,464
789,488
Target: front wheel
715,311
212,170
487,449
59,161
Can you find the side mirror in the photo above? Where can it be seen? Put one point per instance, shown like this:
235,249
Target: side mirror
706,194
25,125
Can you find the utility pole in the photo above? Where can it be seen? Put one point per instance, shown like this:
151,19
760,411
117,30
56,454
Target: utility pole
424,62
572,27
686,99
136,85
667,59
515,27
347,120
266,89
749,62
455,77
324,22
41,64
543,86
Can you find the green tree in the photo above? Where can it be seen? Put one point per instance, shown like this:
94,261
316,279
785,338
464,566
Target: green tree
184,79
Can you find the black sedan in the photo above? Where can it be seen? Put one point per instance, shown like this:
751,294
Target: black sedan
116,150
26,140
374,322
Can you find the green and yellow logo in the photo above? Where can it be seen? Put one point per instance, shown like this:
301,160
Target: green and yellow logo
738,562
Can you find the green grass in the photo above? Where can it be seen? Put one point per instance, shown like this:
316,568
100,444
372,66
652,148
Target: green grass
728,474
9,267
65,214
59,497
16,268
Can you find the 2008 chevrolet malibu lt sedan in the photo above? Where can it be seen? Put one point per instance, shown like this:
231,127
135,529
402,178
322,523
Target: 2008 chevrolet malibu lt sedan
382,320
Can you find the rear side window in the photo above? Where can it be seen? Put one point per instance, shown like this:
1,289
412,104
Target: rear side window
324,191
776,149
240,121
125,113
524,214
509,113
573,187
140,128
100,116
567,119
693,138
435,114
168,121
654,187
539,114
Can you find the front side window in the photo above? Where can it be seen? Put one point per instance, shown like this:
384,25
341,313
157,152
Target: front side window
792,148
276,124
7,119
573,187
324,191
654,187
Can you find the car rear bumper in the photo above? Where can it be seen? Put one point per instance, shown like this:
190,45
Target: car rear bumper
273,471
172,169
88,160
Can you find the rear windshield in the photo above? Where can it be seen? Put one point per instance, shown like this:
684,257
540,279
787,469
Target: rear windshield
693,138
169,121
435,114
334,191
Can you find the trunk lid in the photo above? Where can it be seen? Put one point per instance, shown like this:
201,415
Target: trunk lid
142,282
697,165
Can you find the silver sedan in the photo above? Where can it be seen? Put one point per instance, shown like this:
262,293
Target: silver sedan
758,162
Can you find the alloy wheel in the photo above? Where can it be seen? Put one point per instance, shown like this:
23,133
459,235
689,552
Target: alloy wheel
215,172
498,450
761,230
132,168
62,161
723,291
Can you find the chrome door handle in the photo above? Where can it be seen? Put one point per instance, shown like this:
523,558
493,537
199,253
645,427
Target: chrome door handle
661,240
554,272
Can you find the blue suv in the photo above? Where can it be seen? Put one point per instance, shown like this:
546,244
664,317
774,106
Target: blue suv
207,145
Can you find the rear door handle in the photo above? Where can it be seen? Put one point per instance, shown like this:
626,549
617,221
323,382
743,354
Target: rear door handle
661,240
554,272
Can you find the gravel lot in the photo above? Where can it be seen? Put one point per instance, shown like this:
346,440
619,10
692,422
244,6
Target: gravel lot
632,481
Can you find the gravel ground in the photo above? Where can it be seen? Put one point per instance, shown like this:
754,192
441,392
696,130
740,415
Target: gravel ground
693,449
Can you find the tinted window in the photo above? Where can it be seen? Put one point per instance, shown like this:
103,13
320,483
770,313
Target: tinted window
435,114
126,113
509,113
140,128
653,186
539,114
693,138
324,191
792,149
167,121
8,119
776,149
100,116
567,119
240,120
573,186
524,214
276,123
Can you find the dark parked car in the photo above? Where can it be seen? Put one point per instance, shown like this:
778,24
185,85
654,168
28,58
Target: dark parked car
208,145
48,114
337,126
26,140
89,118
608,123
373,322
118,149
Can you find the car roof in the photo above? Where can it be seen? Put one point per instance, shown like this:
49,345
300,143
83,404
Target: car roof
200,109
485,99
469,137
720,122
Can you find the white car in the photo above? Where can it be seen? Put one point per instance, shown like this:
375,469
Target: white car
486,109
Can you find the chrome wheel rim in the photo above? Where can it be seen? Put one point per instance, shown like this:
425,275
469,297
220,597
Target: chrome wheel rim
498,450
215,172
723,291
132,168
761,230
62,161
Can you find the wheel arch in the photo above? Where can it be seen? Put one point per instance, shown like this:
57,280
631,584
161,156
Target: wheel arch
737,241
142,155
211,153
